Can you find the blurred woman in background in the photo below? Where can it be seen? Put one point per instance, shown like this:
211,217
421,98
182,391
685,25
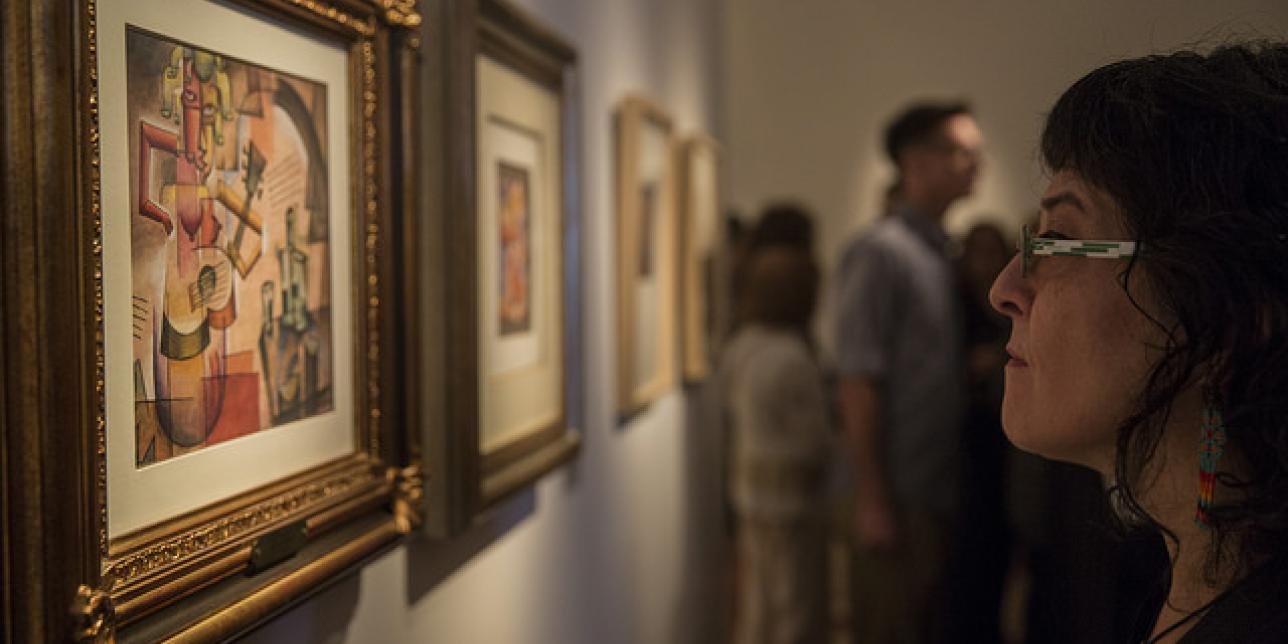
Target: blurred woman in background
775,403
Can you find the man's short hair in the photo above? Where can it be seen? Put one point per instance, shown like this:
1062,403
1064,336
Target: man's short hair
918,124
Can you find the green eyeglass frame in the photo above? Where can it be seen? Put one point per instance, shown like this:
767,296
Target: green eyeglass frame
1031,246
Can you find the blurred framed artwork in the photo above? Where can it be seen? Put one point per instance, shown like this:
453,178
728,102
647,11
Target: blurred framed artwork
699,249
225,396
513,280
646,255
523,275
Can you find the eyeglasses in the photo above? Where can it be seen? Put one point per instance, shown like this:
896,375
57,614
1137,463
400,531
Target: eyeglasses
1031,247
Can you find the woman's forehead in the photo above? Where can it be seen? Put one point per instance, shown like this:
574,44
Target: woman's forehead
1067,187
1072,196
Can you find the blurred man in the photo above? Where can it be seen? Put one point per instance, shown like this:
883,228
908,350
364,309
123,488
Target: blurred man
901,393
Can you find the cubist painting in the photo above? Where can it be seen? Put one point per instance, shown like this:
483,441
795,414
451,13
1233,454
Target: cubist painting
229,247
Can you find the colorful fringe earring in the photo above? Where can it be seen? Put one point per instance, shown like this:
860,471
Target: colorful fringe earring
1211,447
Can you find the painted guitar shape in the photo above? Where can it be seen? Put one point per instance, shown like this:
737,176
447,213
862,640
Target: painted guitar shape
198,301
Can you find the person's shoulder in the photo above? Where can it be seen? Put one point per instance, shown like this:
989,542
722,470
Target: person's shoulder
879,233
1274,630
1253,611
775,353
881,242
1272,589
743,342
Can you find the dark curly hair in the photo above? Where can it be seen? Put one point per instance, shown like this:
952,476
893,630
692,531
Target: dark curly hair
1194,149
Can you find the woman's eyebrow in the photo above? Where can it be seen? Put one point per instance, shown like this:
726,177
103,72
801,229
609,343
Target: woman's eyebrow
1059,198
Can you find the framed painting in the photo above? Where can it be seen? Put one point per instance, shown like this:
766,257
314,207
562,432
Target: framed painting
699,250
215,430
513,273
646,255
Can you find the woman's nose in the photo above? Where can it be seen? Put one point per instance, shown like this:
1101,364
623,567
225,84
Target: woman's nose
1011,292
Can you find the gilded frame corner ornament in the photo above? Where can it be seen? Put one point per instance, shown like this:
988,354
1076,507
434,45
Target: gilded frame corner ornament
101,587
401,12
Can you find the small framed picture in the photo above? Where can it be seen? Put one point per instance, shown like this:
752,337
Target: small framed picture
646,265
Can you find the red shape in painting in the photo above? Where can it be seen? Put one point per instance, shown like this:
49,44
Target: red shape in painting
240,414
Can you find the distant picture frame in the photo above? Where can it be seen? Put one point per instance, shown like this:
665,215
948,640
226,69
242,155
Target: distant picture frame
216,430
700,244
646,255
510,279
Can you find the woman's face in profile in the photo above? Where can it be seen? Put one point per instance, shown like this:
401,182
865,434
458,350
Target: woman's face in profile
1080,351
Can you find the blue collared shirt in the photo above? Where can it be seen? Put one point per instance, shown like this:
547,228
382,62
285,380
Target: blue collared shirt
898,323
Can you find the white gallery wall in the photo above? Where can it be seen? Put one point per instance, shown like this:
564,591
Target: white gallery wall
808,87
609,549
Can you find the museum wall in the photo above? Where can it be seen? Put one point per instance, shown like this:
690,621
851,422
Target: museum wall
808,86
609,548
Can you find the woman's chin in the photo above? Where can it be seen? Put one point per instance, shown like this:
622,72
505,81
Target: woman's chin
1019,429
1034,438
1022,440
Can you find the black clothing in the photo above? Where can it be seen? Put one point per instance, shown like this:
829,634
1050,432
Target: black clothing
1254,610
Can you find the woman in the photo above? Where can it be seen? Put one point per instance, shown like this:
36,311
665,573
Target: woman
1160,357
774,396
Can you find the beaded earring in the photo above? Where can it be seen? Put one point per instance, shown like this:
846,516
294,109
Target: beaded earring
1211,447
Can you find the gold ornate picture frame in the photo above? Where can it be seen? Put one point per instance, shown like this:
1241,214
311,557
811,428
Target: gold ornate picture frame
646,255
202,405
505,290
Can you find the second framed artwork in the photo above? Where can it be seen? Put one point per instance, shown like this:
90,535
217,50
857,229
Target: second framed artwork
512,270
522,250
646,255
